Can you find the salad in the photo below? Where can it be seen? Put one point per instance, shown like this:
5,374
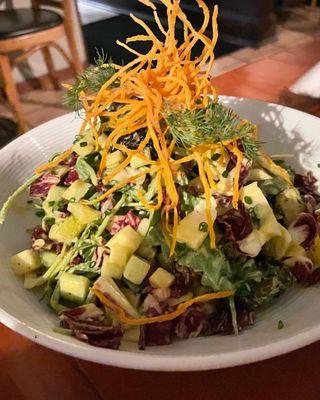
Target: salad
166,218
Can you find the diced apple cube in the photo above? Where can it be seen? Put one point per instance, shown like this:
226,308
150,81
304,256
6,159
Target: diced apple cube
111,270
136,270
127,237
67,230
161,279
76,190
84,214
120,254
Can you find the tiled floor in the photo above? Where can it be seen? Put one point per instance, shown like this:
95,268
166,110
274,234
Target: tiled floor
302,25
295,44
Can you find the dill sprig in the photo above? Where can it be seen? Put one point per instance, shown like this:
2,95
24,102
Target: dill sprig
90,81
214,123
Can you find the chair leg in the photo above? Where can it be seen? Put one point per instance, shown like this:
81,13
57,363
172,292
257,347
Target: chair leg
50,67
11,92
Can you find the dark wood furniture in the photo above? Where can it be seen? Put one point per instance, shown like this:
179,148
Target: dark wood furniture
25,31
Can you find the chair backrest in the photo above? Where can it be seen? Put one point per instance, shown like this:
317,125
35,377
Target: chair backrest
63,5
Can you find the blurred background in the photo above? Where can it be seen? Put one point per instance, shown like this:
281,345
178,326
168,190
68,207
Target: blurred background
264,47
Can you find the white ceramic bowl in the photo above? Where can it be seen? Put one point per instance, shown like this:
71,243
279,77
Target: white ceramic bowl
285,131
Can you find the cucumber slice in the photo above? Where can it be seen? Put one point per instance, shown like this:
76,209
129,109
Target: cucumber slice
74,287
48,258
26,261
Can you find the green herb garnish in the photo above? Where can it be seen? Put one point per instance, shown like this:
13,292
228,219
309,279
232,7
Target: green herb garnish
83,144
248,199
280,324
203,227
225,174
90,81
40,213
254,214
214,123
215,157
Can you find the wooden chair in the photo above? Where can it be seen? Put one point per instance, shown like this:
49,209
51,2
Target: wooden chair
27,30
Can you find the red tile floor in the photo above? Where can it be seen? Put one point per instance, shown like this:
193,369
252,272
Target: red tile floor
31,372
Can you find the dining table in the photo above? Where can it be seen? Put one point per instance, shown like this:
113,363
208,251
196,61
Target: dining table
29,371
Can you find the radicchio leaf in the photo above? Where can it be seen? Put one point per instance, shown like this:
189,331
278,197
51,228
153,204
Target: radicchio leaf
191,323
304,230
71,177
70,162
41,187
156,334
120,221
221,322
185,278
162,295
107,204
236,224
151,306
306,184
314,277
107,336
40,239
87,324
301,267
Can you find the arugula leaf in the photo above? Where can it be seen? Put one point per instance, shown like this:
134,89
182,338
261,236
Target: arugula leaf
85,171
272,186
287,167
212,264
89,269
274,280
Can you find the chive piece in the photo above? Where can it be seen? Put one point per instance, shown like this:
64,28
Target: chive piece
51,203
215,157
83,144
72,200
40,213
318,165
280,324
29,201
248,199
50,221
203,227
225,174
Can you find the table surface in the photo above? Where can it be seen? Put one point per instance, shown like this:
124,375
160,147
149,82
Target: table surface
31,372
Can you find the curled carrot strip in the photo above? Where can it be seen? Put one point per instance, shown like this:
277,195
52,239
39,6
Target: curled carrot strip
54,162
163,317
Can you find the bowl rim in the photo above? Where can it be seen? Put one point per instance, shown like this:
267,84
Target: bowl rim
158,362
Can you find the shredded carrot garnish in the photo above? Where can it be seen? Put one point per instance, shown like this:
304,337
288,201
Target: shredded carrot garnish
159,318
136,98
56,161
